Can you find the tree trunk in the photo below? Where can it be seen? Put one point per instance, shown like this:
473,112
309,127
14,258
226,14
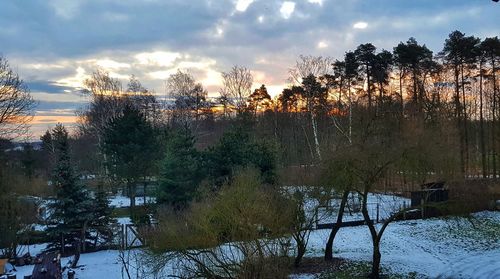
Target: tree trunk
315,132
144,191
350,111
131,193
458,115
76,258
373,233
375,274
481,120
336,227
301,250
493,128
466,134
401,91
368,88
308,143
416,96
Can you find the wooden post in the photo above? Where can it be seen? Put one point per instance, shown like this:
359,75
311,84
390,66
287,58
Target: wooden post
126,236
422,203
378,209
71,274
404,210
62,243
122,236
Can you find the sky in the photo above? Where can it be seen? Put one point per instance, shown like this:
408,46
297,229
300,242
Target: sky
55,44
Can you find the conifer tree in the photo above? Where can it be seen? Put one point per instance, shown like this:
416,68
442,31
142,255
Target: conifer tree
181,170
73,206
102,222
131,146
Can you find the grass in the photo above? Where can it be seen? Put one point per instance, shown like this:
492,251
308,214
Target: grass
358,269
119,212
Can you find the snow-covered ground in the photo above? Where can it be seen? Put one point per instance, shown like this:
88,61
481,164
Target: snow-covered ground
380,205
434,248
103,264
123,201
107,264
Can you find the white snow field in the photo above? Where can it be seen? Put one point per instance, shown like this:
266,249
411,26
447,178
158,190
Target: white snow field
433,248
123,201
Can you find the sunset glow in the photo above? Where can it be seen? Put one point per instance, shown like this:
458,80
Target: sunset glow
151,39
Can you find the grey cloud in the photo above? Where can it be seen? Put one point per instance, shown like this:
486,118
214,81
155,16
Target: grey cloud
47,106
48,87
70,33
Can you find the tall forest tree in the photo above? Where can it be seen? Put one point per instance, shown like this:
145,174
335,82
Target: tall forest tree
490,49
365,55
460,54
311,66
315,96
412,60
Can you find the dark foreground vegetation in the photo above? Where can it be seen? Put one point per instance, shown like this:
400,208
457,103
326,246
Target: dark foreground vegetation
228,173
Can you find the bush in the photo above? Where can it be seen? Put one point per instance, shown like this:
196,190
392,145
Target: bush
239,233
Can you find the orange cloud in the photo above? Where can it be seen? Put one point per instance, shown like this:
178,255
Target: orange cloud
53,119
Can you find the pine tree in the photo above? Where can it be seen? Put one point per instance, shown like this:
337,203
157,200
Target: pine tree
180,174
131,146
260,100
73,206
102,221
236,150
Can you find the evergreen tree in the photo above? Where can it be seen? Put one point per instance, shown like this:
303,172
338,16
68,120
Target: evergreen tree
236,150
102,221
180,170
381,71
260,100
365,54
460,53
131,146
73,206
412,58
289,97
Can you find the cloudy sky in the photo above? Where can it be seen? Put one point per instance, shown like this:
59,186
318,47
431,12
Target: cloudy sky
56,44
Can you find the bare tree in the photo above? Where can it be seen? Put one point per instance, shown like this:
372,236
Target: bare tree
105,104
188,97
144,100
309,65
16,103
237,86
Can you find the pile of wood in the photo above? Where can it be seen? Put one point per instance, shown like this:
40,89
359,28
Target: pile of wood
48,267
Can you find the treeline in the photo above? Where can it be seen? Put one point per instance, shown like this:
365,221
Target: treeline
314,113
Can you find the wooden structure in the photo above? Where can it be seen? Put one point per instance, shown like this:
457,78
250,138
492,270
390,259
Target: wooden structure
129,237
430,192
344,224
48,268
